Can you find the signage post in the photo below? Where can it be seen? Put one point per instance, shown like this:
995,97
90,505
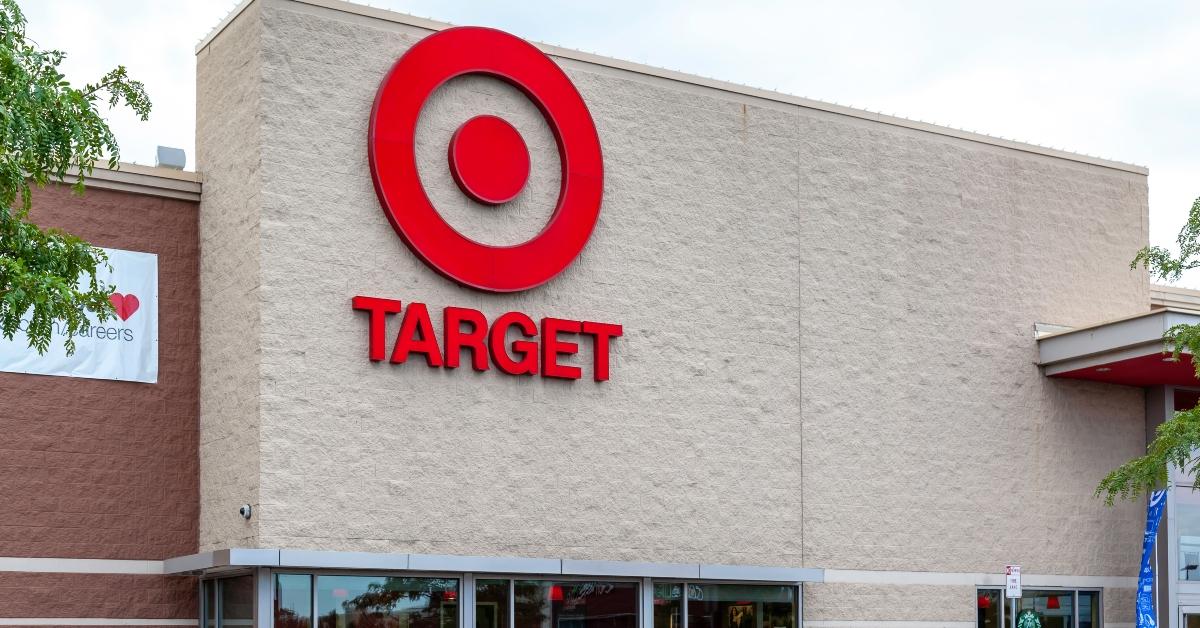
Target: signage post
1012,589
1012,581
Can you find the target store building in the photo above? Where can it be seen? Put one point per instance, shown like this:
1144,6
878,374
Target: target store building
461,331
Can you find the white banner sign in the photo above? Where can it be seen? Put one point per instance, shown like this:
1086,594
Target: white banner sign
124,347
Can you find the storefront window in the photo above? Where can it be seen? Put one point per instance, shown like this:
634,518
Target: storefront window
380,601
1089,609
1053,609
1038,608
668,605
491,604
740,606
293,601
575,604
209,603
400,602
987,606
1187,521
237,601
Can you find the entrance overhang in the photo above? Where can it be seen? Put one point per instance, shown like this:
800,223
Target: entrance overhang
1128,351
224,560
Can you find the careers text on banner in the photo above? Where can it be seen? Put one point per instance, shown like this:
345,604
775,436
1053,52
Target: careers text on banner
124,347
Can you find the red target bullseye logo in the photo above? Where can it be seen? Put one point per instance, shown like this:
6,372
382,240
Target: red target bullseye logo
488,159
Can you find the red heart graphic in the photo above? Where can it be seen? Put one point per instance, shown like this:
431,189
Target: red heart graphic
124,304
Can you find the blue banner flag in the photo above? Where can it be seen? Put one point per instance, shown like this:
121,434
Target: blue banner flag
1146,617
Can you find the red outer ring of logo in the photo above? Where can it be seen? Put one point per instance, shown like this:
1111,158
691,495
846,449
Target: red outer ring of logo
391,151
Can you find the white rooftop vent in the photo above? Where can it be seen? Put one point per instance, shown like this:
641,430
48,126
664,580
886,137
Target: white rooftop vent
173,158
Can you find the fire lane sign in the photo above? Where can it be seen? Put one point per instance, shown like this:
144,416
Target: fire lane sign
1012,581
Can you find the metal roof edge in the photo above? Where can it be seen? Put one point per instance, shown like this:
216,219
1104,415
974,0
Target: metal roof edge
225,21
725,86
1141,334
225,559
1174,297
138,179
1094,326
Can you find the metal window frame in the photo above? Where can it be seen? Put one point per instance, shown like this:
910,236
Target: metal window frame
1074,591
266,590
313,574
797,587
466,580
216,581
512,590
269,598
264,597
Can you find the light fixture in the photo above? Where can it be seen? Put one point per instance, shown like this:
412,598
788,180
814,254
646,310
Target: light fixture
1052,602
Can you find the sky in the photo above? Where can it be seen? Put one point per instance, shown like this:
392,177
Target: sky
1111,79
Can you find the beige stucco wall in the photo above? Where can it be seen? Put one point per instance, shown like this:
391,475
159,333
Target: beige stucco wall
696,435
828,351
228,148
926,422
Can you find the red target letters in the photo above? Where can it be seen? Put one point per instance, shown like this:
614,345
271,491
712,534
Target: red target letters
531,348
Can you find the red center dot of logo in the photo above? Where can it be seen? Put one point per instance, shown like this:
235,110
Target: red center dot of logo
489,160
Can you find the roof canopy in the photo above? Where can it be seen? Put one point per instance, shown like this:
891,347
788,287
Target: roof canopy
1128,351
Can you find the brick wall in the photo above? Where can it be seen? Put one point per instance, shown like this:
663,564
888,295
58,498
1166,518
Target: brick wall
105,469
102,469
51,595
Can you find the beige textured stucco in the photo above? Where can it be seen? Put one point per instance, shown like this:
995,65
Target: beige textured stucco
828,357
888,602
228,152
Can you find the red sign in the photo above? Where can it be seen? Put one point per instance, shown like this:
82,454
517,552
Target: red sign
538,348
488,159
124,304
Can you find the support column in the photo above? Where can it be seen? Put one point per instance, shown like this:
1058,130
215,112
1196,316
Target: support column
1160,406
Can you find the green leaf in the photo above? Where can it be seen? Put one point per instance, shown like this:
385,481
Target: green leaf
1178,437
48,127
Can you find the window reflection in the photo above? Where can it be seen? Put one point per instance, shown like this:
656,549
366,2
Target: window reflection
1053,609
740,606
380,601
237,601
583,604
1187,521
293,601
209,593
387,602
491,604
1089,609
988,608
668,600
1045,608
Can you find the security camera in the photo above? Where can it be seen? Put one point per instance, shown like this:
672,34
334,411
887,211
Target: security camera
245,511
